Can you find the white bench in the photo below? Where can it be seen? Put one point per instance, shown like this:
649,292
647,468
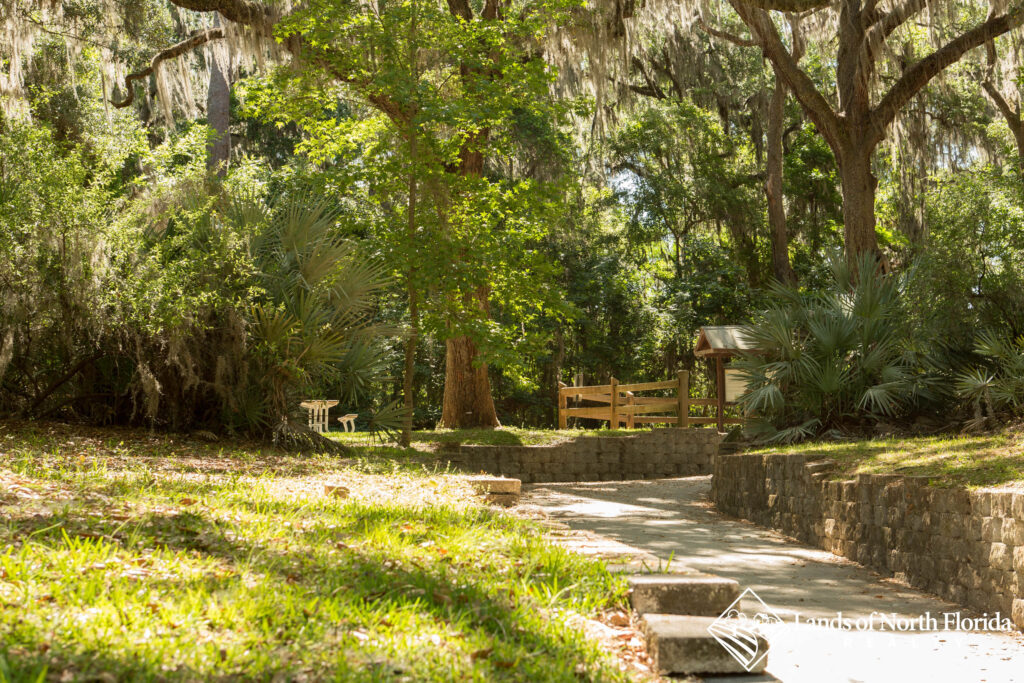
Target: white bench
348,422
318,413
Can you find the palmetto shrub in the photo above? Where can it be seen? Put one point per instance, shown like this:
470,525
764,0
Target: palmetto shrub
311,323
996,389
829,360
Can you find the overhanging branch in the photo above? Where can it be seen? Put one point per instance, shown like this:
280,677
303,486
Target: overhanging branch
172,52
814,103
245,12
787,5
918,76
725,35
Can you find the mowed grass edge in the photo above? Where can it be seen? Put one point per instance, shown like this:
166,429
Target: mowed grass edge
948,460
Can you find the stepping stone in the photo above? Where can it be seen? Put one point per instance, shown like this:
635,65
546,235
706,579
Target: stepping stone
496,485
683,645
503,499
700,595
497,490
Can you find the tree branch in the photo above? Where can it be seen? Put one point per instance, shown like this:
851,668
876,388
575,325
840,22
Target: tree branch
918,76
883,24
176,50
246,12
1011,114
803,88
725,35
787,5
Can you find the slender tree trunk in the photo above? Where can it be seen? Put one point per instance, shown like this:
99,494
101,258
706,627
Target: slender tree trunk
414,318
218,113
858,183
773,186
408,385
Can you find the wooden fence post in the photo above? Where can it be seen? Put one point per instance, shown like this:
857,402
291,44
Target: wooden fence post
720,382
614,420
683,396
629,416
562,405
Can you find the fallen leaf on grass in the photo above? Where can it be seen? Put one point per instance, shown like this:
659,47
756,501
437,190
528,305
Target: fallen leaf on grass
618,618
482,654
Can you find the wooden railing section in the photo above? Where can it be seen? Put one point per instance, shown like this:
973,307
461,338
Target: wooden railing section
619,404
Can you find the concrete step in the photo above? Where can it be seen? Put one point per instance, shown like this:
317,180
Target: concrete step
483,484
700,595
683,645
497,490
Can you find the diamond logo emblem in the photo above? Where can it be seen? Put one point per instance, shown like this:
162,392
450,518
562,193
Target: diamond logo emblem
743,632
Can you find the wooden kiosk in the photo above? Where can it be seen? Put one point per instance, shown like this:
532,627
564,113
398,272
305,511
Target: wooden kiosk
720,343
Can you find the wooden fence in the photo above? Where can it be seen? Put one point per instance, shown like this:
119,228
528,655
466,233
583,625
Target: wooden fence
619,404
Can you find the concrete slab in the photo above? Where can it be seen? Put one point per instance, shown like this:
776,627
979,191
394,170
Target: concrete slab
699,595
683,645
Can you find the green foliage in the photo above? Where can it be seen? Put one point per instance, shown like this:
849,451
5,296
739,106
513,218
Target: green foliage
970,271
998,388
310,325
828,360
53,215
280,298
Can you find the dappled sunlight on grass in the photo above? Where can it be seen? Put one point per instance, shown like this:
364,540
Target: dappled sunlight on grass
182,567
988,460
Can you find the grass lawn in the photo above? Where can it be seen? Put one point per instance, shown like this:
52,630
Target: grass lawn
431,439
133,557
973,461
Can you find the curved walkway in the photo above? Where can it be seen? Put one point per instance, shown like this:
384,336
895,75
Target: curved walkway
672,518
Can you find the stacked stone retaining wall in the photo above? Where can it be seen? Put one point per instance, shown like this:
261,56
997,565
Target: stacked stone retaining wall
964,545
655,454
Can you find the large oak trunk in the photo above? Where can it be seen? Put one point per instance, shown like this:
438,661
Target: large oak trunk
467,388
858,201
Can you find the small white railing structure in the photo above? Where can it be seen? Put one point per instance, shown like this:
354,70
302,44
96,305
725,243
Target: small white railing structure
348,422
317,410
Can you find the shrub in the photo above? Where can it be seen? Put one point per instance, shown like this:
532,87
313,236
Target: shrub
831,359
997,389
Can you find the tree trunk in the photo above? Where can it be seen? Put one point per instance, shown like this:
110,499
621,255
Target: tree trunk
414,318
859,185
1018,136
410,368
218,112
773,187
467,389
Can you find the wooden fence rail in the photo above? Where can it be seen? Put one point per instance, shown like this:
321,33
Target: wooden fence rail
620,405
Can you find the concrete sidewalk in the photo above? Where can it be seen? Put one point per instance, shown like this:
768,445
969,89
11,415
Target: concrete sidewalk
671,518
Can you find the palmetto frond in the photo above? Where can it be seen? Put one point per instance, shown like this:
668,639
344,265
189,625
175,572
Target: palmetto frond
830,356
318,293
